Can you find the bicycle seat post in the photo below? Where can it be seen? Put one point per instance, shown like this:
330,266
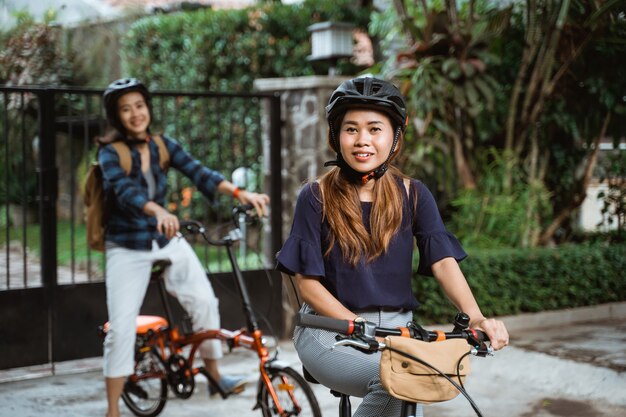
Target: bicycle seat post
409,409
345,407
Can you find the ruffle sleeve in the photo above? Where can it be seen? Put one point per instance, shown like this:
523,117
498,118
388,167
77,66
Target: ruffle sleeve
300,256
433,239
436,246
302,251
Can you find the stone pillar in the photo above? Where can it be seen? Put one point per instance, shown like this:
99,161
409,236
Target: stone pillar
304,149
304,134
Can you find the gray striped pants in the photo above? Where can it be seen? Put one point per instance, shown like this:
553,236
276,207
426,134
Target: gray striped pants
348,370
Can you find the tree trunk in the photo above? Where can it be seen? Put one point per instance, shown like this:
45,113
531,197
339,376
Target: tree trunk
407,25
463,170
532,178
528,56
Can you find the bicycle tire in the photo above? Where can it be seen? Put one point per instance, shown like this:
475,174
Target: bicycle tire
149,381
289,385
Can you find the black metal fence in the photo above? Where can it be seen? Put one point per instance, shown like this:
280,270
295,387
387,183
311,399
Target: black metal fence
51,288
48,141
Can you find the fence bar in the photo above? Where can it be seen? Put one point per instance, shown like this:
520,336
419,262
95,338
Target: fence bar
5,145
276,191
48,183
24,197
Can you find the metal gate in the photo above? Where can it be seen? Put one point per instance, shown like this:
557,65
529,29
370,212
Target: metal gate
51,285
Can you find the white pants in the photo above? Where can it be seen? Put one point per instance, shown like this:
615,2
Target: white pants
127,279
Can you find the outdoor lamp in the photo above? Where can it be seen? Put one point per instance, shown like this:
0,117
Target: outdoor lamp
330,41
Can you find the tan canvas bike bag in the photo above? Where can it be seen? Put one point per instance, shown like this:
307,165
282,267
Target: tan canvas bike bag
409,380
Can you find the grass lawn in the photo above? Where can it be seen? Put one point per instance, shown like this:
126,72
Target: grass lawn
71,241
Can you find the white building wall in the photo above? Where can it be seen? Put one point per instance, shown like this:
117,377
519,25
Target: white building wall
590,213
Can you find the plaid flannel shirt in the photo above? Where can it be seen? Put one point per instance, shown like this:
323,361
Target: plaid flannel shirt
128,225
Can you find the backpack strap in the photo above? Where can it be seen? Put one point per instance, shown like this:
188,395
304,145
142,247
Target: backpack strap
123,152
164,155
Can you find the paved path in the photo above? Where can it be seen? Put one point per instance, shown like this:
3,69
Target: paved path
24,269
573,370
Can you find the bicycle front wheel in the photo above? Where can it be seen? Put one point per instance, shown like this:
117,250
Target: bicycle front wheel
294,395
145,392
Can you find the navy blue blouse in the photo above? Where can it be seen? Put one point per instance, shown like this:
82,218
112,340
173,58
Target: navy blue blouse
384,282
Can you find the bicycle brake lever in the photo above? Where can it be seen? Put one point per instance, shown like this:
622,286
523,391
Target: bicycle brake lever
482,351
364,345
235,235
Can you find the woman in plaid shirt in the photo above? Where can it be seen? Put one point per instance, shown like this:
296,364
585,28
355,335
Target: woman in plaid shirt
141,230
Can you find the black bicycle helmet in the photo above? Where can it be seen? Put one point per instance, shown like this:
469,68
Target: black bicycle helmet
371,93
366,93
114,91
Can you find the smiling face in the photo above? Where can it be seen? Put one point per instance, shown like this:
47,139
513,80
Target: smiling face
134,114
365,139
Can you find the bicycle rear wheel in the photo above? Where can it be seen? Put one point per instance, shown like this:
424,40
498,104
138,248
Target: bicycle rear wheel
295,396
145,392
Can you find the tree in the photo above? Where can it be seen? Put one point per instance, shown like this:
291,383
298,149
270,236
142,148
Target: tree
559,38
444,72
544,102
31,54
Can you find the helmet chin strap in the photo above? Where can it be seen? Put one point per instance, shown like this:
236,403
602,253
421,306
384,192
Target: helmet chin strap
356,177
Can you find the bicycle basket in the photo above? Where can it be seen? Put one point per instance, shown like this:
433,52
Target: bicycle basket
408,380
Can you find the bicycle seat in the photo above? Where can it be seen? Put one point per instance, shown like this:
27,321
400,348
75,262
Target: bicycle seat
308,376
147,323
144,324
158,267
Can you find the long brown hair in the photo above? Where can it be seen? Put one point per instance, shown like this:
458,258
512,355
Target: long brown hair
341,207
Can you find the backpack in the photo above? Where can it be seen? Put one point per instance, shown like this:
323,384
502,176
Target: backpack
97,205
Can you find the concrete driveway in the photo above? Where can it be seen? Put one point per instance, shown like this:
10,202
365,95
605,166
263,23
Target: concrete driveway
569,363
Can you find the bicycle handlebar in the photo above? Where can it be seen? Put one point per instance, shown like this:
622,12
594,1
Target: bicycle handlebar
195,227
362,335
475,338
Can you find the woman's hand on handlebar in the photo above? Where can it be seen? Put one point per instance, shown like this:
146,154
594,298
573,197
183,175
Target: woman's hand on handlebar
167,223
495,330
258,201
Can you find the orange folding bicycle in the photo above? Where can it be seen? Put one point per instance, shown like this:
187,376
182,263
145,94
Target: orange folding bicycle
161,362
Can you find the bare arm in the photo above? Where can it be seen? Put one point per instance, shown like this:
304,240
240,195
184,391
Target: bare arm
259,201
322,301
454,285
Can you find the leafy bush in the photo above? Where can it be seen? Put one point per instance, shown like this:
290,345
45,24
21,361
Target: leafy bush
226,50
513,281
494,216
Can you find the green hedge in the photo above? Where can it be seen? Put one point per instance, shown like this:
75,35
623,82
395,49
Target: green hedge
226,50
516,281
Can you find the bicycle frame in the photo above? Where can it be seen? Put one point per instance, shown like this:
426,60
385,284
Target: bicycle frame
160,359
250,338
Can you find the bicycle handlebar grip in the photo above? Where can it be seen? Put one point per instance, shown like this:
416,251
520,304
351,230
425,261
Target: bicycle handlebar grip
243,208
325,323
482,336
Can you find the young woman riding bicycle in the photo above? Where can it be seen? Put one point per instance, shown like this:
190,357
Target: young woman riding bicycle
352,240
141,230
